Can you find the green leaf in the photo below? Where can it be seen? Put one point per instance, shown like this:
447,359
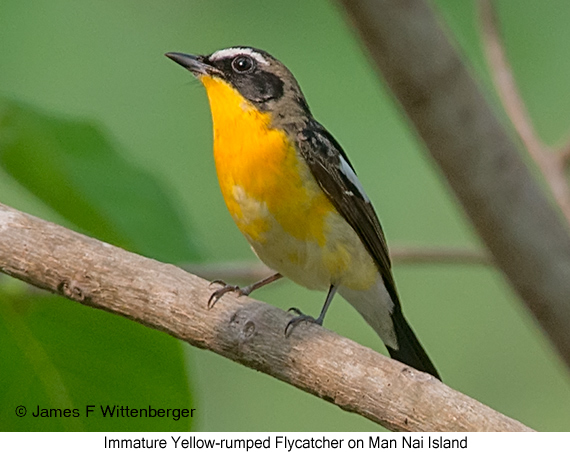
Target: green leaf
59,354
74,168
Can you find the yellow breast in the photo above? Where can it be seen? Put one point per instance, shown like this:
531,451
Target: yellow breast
259,170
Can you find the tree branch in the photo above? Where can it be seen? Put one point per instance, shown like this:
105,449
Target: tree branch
551,163
565,154
254,271
526,237
249,332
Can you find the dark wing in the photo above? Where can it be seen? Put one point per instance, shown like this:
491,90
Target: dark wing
336,176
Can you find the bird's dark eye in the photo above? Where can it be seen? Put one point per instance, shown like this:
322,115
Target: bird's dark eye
242,64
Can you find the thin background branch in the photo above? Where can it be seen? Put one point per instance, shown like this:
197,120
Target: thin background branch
426,73
249,332
551,163
253,271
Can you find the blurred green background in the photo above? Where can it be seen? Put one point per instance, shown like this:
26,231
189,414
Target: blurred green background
101,133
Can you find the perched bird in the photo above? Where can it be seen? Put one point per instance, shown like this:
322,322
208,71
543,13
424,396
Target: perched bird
295,196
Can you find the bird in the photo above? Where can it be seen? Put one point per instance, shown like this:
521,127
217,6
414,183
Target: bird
295,196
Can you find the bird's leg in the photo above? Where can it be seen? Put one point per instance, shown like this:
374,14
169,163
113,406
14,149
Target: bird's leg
217,294
307,318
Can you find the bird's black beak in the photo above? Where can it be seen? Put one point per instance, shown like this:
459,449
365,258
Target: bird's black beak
194,63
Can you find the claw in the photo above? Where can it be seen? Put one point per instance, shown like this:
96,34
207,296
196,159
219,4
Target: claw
300,318
219,293
238,290
218,281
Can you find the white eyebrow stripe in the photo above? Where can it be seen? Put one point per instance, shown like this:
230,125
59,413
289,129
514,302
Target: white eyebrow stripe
234,51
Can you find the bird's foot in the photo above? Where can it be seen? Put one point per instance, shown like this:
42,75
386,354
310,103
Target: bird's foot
299,319
219,293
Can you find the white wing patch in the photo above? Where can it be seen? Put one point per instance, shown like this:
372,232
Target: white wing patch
346,169
235,51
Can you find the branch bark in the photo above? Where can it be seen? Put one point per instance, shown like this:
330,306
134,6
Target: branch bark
525,235
249,332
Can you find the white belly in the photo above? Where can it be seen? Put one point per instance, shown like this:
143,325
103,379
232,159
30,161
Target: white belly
342,259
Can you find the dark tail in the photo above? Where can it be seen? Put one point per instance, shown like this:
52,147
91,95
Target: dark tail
410,350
